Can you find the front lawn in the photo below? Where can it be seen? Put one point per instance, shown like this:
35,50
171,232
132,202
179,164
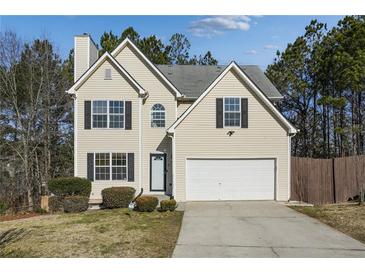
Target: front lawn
101,233
348,218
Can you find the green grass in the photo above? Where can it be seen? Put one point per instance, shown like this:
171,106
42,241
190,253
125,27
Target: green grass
102,233
347,218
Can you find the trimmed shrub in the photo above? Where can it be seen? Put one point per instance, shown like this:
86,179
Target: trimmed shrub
146,203
3,207
167,205
70,186
55,204
75,204
117,197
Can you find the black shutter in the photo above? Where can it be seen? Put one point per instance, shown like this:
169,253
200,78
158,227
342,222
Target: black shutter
90,166
219,112
87,115
244,113
130,167
128,115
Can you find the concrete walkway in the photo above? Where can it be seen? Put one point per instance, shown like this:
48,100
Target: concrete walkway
258,229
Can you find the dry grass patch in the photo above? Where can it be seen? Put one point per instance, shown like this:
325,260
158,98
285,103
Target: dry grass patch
102,233
347,218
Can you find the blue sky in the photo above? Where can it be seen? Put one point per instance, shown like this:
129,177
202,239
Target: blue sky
245,39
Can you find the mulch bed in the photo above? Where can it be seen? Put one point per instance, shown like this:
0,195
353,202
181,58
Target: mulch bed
23,215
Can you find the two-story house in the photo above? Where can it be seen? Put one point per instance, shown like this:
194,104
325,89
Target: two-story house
194,132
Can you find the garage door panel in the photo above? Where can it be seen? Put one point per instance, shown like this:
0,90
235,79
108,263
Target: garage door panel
230,179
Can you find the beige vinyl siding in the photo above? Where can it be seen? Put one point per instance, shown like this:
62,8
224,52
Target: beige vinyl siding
197,135
182,107
106,140
81,56
153,139
93,53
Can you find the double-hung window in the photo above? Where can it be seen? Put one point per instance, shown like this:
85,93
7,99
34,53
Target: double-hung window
102,166
100,114
232,112
116,114
114,164
108,114
119,166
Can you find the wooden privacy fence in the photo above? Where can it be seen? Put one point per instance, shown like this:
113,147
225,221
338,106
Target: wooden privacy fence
324,181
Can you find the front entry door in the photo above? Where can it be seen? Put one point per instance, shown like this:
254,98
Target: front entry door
157,172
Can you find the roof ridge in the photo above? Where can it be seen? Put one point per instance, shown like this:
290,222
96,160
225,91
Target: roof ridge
192,80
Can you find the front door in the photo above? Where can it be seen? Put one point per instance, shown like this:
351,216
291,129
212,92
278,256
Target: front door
157,172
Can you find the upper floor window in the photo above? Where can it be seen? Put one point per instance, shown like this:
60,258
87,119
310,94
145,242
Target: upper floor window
158,116
108,114
232,112
100,114
116,114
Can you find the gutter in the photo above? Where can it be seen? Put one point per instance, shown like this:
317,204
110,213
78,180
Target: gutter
186,99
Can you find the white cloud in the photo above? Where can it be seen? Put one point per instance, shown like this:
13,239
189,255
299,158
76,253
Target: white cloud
269,46
217,25
251,52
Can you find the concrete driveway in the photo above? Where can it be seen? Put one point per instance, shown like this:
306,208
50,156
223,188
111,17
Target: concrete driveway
258,229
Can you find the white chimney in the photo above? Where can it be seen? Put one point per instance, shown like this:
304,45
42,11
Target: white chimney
85,54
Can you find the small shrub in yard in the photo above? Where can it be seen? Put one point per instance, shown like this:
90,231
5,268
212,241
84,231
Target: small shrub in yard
117,197
70,186
55,204
167,205
75,204
146,203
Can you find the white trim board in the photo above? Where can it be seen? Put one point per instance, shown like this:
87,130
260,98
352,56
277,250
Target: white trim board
100,61
75,57
129,42
265,100
75,138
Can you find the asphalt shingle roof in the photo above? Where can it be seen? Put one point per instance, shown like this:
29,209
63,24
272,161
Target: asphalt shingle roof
192,80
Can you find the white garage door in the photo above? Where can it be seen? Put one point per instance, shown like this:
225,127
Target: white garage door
230,179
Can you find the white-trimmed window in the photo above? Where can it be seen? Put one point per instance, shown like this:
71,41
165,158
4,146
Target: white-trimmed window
158,116
114,164
116,114
102,166
232,112
108,114
119,166
100,114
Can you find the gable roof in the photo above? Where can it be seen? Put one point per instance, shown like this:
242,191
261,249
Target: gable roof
89,71
126,42
192,80
243,76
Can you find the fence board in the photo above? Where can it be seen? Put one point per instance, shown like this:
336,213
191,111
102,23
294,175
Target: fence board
349,175
322,181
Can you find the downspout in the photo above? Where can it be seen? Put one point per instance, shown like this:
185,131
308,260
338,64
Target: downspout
75,135
172,136
140,142
142,98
